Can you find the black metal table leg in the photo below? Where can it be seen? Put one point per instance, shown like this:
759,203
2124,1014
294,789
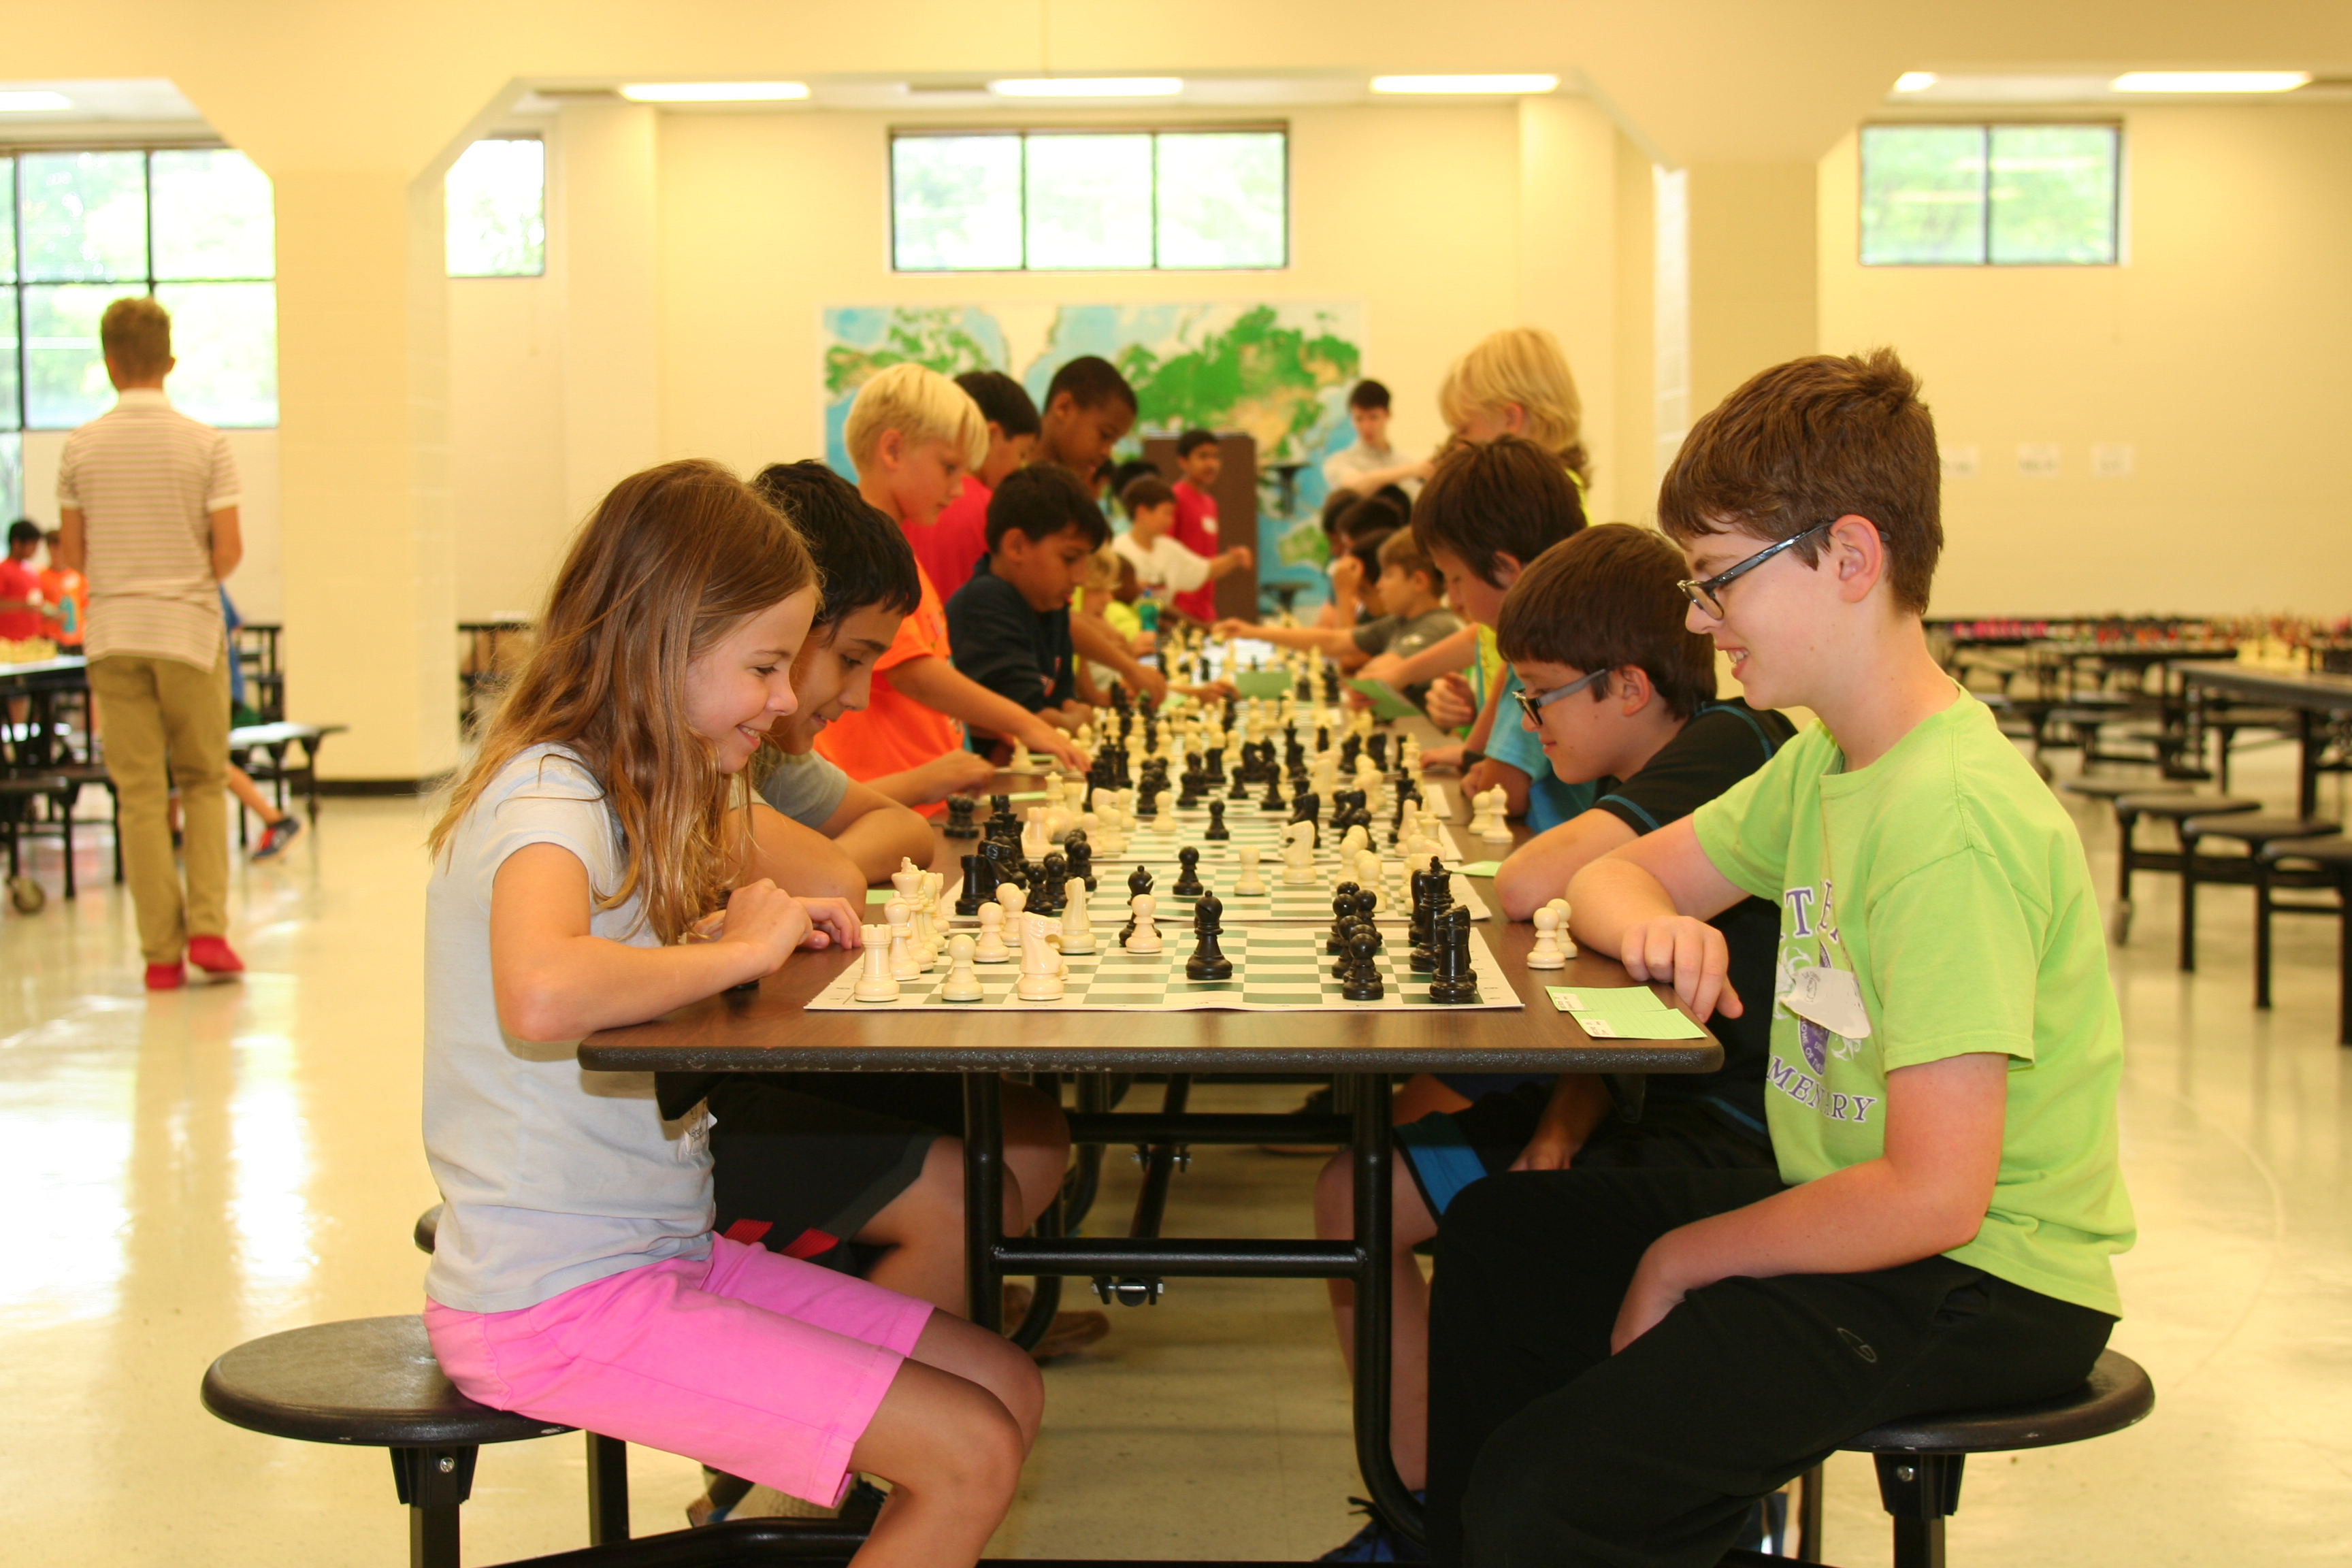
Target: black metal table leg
1375,1149
984,1198
608,1489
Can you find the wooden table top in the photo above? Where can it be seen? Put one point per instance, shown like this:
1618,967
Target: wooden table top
2292,688
769,1030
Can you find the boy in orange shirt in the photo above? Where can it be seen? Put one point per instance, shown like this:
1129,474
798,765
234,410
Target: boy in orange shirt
913,433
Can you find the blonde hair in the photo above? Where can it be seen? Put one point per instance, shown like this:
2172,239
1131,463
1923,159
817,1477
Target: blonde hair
1522,365
136,334
1102,571
673,559
921,405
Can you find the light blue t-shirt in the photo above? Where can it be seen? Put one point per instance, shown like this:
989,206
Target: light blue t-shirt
1549,801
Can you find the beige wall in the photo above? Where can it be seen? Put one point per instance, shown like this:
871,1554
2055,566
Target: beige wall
2217,353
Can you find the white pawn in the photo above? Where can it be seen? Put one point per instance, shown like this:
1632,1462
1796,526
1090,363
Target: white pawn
1546,953
1145,938
1032,833
991,948
1367,869
1352,842
1567,944
964,981
902,930
1434,809
1020,761
1077,924
875,982
1498,826
1164,823
1013,899
1249,884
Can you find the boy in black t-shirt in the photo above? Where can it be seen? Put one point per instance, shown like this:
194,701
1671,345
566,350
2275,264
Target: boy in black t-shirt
1622,695
1010,625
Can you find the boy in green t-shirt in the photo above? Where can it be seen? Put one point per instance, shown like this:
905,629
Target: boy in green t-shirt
1623,1362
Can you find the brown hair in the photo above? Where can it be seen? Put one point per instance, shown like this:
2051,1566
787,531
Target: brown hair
1400,549
1608,598
136,334
1811,441
1145,491
1508,497
673,559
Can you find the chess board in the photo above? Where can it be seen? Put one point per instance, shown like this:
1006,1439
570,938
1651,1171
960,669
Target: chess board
1276,968
1277,905
1248,825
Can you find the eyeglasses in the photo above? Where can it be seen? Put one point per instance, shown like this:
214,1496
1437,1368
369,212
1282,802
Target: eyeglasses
1708,593
1533,706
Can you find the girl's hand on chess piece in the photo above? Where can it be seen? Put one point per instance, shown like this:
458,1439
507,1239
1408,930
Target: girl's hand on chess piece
1688,952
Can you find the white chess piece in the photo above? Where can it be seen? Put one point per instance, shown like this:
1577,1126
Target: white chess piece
1546,953
1367,869
1164,823
909,880
1032,833
1020,761
902,930
1352,841
1041,967
962,982
1433,808
1567,944
1298,855
875,982
1013,899
991,948
1078,924
1249,884
1144,937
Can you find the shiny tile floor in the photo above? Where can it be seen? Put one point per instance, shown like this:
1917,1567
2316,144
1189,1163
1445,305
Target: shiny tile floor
192,1170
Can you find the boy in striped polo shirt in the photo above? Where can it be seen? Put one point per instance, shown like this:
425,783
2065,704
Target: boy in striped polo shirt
147,500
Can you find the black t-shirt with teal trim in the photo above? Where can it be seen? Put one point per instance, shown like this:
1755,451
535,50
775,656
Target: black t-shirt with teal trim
1723,743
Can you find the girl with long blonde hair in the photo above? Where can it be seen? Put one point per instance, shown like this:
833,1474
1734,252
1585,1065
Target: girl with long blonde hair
575,1277
1517,383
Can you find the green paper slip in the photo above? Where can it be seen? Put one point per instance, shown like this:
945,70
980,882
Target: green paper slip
1622,1012
1480,867
1388,702
880,895
1260,683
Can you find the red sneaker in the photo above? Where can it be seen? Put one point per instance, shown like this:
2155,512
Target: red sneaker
214,955
166,977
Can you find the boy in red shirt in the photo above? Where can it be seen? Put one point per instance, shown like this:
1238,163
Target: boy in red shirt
1200,462
21,604
948,548
68,595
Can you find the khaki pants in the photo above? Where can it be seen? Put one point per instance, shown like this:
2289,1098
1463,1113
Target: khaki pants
166,723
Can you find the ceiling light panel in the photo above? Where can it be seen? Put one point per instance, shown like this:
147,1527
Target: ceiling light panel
2209,81
1914,81
1088,87
714,91
1465,84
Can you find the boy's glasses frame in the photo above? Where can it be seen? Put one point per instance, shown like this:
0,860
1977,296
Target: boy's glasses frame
1708,593
1533,706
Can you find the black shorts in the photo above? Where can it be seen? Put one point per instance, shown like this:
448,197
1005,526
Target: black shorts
1446,1150
803,1162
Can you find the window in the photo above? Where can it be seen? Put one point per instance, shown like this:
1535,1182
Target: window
193,226
2003,196
497,223
1006,201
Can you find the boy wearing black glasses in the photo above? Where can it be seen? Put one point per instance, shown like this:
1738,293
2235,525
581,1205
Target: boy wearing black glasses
1622,1361
1617,694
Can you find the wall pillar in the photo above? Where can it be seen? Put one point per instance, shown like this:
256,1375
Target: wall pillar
608,214
1755,287
362,352
1569,279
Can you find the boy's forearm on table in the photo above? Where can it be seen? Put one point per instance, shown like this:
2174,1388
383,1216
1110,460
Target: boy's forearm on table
1857,1220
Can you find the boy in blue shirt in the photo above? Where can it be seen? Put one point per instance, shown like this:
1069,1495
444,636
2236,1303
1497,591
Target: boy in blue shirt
1622,1361
1010,625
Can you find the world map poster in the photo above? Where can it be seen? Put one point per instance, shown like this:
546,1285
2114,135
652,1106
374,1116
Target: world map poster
1279,371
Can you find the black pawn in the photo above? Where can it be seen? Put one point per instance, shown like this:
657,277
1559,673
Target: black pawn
1363,980
1208,961
1343,911
1217,828
1139,882
1187,884
960,808
1052,876
1273,803
1081,852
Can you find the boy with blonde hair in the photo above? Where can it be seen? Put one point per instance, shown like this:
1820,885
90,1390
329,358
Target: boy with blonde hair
912,434
1622,1361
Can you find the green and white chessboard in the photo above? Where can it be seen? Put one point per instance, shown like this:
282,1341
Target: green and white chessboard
1277,905
1276,968
1248,825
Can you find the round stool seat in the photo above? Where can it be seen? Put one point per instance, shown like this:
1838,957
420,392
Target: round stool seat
428,1226
368,1380
2178,805
2258,828
2116,1394
2335,850
2108,789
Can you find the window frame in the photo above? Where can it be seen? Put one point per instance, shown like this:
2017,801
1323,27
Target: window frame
545,228
15,152
1021,133
2115,246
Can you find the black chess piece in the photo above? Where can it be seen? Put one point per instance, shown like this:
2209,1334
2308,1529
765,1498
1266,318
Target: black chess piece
1000,816
1350,749
1322,738
961,810
1194,783
1378,746
1048,897
1307,806
1081,852
979,884
1455,981
1187,884
1208,961
1274,802
1343,910
1364,982
1432,891
1005,863
1241,783
1217,830
1139,882
1367,900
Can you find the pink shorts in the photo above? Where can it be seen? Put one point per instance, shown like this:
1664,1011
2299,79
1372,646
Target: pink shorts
757,1364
